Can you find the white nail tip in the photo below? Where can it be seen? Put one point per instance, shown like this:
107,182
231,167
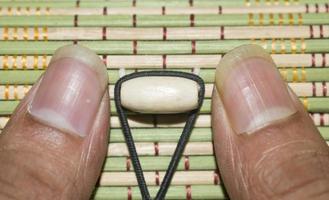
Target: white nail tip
268,117
54,120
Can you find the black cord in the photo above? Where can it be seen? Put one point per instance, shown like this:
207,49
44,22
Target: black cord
182,140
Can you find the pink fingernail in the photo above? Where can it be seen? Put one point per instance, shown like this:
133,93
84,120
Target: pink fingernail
70,92
252,90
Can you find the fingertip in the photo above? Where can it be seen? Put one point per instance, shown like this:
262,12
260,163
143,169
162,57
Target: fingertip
59,130
84,55
252,90
258,144
70,92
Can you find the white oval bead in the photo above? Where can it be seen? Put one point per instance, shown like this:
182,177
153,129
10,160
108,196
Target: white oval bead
155,94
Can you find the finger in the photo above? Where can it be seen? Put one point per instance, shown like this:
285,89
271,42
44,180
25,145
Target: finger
265,143
55,142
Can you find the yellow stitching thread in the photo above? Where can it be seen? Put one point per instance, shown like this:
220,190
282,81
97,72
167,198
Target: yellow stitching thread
14,64
37,11
293,45
287,3
283,73
5,62
300,19
5,33
268,2
45,33
295,77
47,10
291,19
250,19
280,18
257,2
303,74
303,45
28,10
18,10
35,62
15,92
15,36
261,18
44,61
6,97
25,33
273,46
9,11
271,19
305,103
24,65
247,3
276,2
283,46
36,33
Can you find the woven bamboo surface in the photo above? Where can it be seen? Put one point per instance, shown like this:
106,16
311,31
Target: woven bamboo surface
183,35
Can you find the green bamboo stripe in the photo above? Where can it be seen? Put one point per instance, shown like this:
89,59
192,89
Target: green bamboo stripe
26,77
161,135
174,192
152,163
163,47
172,134
317,105
165,20
154,3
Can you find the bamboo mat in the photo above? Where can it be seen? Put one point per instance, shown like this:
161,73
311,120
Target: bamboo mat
183,35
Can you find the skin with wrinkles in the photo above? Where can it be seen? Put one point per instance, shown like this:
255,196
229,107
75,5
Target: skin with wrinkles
44,163
286,159
43,160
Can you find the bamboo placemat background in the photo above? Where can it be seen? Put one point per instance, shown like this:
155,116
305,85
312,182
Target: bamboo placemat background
184,35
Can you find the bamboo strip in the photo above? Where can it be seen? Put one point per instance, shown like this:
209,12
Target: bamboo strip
156,3
163,61
175,192
172,134
289,46
156,177
161,10
314,89
318,104
25,77
163,33
160,149
167,20
152,163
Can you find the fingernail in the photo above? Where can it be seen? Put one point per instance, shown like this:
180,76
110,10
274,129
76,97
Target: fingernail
70,91
252,90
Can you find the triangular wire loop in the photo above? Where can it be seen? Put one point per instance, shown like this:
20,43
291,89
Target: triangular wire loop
192,115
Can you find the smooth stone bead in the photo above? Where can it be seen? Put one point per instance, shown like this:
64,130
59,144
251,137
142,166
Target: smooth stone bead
154,94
